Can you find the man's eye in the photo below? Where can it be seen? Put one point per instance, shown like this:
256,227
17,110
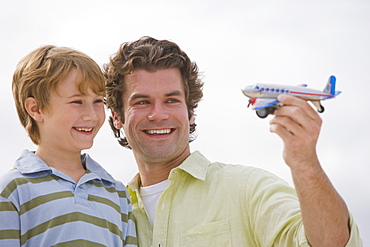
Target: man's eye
173,100
142,102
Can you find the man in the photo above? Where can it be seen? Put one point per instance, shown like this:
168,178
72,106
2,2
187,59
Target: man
182,199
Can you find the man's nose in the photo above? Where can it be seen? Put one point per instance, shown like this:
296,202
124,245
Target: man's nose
158,112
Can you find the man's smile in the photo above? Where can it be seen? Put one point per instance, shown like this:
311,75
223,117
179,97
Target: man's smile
159,132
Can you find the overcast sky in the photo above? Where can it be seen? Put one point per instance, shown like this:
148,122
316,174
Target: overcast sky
235,43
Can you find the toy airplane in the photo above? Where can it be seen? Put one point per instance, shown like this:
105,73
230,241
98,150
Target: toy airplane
263,97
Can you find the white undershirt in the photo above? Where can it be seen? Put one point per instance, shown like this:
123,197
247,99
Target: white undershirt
150,195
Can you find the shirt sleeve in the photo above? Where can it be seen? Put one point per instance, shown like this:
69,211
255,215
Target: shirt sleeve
9,223
129,235
354,237
275,213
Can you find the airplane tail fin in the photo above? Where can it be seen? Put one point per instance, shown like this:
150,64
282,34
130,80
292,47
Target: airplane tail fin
330,87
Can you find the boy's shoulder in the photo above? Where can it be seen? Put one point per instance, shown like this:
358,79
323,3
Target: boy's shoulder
27,166
8,177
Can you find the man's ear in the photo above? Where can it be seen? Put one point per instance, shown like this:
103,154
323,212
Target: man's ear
33,109
116,121
192,117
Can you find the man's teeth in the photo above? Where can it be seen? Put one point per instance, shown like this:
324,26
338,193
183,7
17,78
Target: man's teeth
84,129
158,132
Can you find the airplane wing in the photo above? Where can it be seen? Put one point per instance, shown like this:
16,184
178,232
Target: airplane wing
261,103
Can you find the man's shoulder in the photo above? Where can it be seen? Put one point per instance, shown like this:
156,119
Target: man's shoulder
226,169
239,174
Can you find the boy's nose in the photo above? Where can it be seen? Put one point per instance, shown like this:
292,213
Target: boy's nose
90,114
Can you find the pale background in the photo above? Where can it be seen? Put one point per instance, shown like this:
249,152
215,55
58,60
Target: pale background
235,43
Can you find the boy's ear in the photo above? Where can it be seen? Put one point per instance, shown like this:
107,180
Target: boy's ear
116,121
33,109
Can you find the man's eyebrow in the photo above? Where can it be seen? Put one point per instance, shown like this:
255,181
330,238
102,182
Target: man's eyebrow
139,96
145,96
174,93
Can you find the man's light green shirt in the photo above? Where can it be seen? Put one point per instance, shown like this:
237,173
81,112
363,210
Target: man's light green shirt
214,204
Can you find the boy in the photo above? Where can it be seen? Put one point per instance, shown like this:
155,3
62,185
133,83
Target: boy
55,195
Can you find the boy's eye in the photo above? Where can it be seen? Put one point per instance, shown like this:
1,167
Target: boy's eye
77,102
99,101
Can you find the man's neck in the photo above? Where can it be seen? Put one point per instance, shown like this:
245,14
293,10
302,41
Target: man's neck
153,173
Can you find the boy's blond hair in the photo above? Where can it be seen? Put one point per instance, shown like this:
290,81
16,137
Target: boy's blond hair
38,74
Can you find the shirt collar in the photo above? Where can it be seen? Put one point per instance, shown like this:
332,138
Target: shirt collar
134,183
195,164
94,167
29,163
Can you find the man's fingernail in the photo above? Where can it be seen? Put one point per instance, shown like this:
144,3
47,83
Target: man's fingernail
281,97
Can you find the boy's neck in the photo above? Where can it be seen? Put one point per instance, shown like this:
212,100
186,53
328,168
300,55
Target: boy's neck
69,164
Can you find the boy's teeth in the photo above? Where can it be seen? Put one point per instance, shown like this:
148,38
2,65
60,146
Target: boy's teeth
84,129
159,132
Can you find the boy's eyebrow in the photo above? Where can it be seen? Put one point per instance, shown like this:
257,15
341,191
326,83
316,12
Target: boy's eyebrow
75,95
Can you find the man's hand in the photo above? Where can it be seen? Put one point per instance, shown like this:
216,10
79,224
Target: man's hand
324,213
298,125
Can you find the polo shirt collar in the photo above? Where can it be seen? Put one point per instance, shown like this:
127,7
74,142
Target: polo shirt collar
29,163
94,167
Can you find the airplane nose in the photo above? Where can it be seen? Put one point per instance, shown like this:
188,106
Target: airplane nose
248,89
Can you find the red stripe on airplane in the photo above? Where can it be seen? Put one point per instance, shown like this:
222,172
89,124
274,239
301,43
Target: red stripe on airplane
315,94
